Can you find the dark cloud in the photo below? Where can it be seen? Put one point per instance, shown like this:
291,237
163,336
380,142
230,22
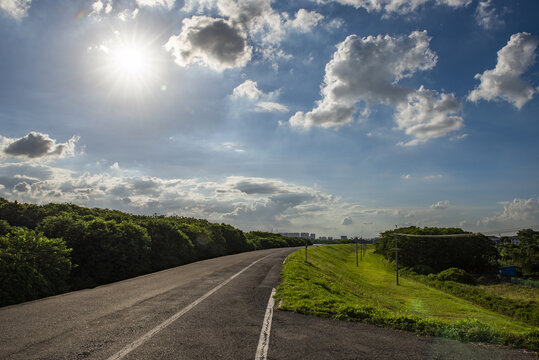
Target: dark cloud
256,188
347,221
38,145
212,42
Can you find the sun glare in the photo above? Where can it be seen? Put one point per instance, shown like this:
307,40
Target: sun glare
130,67
131,62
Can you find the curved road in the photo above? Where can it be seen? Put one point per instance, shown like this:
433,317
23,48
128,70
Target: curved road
212,309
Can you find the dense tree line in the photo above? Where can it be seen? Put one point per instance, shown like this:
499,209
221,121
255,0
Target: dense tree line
475,254
53,248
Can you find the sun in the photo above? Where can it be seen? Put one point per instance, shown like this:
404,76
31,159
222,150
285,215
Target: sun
129,66
130,61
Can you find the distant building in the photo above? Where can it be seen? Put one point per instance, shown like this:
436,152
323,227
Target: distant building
312,236
290,234
515,240
344,237
322,238
304,235
330,237
495,239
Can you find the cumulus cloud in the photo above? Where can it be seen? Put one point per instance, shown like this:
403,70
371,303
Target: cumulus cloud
305,20
397,6
169,4
440,205
367,71
428,114
486,15
263,26
504,82
516,213
15,8
249,90
216,43
36,145
347,221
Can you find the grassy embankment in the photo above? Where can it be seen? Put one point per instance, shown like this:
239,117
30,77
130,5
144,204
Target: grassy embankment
331,285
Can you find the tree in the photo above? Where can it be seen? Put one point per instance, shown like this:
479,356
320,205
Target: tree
31,265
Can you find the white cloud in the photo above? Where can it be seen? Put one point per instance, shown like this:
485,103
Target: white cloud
406,176
347,221
504,81
367,70
35,146
428,114
433,177
305,20
216,43
169,4
232,146
400,7
15,8
248,89
440,205
264,27
270,106
486,16
516,213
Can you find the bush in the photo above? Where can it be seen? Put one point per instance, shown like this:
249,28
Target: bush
31,266
456,275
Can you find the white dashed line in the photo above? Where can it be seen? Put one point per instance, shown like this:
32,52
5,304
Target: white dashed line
135,344
263,342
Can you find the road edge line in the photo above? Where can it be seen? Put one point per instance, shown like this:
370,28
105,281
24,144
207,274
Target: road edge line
135,344
263,341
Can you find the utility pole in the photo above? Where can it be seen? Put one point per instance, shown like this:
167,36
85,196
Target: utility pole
396,256
305,250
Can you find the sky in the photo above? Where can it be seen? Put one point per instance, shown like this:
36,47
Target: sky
333,117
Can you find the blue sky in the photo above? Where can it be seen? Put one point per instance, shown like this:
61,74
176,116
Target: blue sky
338,117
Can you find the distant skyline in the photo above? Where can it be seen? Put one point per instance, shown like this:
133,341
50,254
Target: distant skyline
334,117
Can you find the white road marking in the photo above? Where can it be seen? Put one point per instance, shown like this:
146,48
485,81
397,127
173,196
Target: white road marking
135,344
263,341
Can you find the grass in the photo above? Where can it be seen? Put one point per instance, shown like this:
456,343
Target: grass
330,284
513,292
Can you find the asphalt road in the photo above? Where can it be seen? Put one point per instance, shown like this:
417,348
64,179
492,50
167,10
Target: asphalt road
212,309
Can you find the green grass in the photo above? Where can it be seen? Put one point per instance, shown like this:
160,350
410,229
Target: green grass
513,292
330,284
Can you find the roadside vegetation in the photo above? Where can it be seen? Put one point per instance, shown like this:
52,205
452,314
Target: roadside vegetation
50,249
331,285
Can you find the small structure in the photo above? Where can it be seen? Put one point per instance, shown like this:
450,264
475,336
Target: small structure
510,270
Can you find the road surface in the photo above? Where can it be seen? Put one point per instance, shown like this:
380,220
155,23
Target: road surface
212,309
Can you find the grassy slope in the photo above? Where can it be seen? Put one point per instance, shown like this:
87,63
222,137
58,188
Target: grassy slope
331,285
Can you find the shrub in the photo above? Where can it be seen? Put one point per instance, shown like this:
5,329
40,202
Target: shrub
31,266
456,275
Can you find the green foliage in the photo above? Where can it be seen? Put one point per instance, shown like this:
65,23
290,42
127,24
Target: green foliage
475,254
454,274
526,254
170,247
31,265
103,250
266,240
